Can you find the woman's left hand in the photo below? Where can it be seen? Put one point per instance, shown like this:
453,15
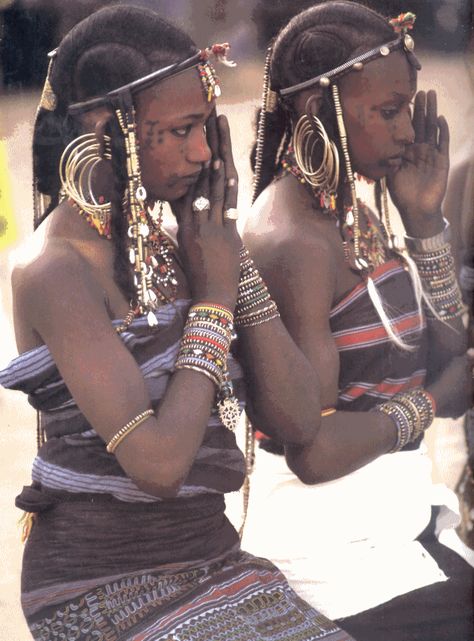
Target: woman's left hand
418,187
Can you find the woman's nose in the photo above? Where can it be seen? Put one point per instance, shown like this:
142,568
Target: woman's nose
405,131
198,148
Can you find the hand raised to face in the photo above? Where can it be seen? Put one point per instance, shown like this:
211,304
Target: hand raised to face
208,239
418,187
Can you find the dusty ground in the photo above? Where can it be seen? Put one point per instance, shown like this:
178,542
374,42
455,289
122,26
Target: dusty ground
448,75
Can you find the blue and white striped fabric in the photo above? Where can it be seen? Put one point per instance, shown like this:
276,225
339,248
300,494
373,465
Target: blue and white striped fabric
74,458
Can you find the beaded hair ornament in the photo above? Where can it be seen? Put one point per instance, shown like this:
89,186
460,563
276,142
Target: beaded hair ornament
144,223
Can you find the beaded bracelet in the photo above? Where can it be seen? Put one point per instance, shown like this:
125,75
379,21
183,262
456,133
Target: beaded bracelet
204,348
437,273
127,429
252,294
260,316
206,341
412,412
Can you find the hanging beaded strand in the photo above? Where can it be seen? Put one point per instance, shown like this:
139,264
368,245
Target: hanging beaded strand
360,262
147,296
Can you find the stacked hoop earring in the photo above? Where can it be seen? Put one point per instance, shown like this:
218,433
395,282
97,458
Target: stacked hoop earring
310,133
76,168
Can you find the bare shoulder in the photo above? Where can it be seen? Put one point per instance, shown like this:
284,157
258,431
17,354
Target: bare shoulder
291,243
53,281
55,267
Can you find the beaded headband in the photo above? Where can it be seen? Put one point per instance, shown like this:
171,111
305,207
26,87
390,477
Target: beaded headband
200,60
404,41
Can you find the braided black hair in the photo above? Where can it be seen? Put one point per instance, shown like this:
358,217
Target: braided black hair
107,50
313,42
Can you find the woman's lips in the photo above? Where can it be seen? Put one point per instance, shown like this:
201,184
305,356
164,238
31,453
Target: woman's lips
190,180
395,162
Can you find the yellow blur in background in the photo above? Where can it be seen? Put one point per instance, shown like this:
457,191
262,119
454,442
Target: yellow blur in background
8,230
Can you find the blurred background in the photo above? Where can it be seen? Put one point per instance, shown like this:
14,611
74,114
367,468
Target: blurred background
31,28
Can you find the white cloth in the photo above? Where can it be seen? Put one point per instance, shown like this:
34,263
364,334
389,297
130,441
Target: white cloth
347,545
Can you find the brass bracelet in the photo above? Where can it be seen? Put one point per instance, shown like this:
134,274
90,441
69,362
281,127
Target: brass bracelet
328,411
127,429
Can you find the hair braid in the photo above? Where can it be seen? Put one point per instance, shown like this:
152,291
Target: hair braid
274,133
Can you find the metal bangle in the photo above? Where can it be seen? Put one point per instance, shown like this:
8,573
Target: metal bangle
438,241
127,429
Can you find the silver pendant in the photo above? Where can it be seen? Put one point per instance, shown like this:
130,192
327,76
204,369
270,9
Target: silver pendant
152,320
229,412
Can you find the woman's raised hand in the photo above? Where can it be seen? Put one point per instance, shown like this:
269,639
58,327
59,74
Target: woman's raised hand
418,187
208,239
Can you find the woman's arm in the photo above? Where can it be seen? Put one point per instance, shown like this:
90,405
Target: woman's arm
63,300
66,308
303,291
418,189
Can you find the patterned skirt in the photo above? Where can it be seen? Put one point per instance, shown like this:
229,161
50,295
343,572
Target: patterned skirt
236,598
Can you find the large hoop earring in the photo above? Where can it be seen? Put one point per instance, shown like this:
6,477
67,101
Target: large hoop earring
310,133
76,168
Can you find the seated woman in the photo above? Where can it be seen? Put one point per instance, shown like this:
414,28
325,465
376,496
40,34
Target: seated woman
124,343
338,97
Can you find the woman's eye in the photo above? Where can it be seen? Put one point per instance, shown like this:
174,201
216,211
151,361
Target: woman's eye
389,112
181,132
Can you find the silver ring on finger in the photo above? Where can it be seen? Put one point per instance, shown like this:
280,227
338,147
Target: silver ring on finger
231,214
200,204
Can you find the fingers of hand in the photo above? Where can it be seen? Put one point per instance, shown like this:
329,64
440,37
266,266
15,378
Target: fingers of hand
212,135
431,125
231,176
443,143
419,117
217,190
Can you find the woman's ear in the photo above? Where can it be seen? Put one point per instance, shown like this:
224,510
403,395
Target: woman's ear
313,104
308,102
101,126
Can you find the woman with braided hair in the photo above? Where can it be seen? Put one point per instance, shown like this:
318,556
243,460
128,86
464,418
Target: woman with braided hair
124,336
350,518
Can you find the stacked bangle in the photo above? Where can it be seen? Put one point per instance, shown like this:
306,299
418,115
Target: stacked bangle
254,304
127,429
206,341
204,348
435,264
412,412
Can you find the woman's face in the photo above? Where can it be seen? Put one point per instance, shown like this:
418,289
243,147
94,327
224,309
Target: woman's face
376,104
171,124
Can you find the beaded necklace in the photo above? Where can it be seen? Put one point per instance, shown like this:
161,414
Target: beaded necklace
372,247
371,244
